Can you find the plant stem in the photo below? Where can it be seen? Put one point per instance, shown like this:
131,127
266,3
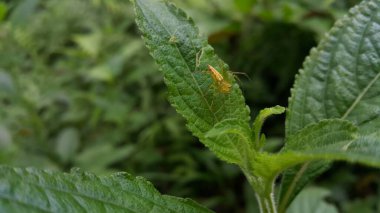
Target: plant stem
266,203
264,188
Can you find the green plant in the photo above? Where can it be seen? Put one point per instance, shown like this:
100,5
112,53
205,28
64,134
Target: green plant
333,114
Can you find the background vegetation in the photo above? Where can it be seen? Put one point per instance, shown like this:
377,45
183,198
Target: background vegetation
79,89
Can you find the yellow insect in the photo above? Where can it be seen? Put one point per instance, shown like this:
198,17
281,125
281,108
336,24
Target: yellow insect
173,39
222,85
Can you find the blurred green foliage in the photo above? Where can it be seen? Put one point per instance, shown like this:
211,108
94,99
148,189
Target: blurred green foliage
78,89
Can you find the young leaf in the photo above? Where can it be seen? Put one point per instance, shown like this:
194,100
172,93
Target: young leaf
259,121
33,190
340,79
183,55
231,141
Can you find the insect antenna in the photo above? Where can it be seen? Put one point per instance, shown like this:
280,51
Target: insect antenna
241,73
235,73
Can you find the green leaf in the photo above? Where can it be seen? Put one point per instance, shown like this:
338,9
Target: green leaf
323,133
67,144
312,200
32,190
340,77
339,80
90,43
259,121
183,55
99,157
231,141
364,149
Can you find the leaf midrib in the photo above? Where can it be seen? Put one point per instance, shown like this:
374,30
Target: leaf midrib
360,96
365,90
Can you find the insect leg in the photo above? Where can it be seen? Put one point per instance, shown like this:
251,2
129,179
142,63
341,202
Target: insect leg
198,57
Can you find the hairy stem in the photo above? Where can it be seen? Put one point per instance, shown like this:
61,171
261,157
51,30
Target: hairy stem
264,189
266,203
